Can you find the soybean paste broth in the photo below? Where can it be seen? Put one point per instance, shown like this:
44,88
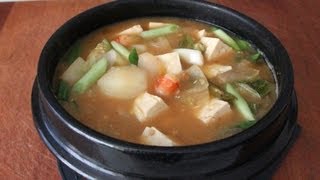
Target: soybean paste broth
179,122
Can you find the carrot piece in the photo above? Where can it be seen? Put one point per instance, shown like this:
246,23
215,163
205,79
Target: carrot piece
166,85
127,40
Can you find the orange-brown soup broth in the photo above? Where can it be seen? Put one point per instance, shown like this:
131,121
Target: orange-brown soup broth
113,117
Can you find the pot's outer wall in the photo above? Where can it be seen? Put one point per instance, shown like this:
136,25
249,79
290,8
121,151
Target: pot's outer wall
258,166
105,155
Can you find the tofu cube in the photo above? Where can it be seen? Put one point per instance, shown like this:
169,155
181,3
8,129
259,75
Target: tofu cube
171,62
146,106
134,30
214,48
190,56
213,70
213,110
152,136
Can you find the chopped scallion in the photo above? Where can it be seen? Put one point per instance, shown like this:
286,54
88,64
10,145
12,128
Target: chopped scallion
123,51
186,42
246,124
88,79
217,92
255,57
254,107
240,103
73,53
161,31
199,47
261,86
243,45
63,91
133,57
225,38
106,45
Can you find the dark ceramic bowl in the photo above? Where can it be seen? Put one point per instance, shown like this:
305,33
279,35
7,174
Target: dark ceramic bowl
252,153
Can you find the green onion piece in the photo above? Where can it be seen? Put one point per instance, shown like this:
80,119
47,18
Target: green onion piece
199,47
186,42
215,91
240,103
123,51
246,124
255,57
161,31
94,73
261,86
63,91
254,107
73,53
226,38
243,45
106,45
133,57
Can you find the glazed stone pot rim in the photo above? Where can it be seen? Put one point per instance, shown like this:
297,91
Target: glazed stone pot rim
44,84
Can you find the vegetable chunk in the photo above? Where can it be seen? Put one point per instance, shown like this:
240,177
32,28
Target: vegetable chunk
225,38
240,103
75,71
146,106
213,110
151,64
94,73
125,82
167,85
214,48
153,25
190,56
63,91
115,58
134,30
123,51
213,70
153,136
97,53
201,33
161,31
193,87
171,62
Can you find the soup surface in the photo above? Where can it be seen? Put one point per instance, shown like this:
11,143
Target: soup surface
165,82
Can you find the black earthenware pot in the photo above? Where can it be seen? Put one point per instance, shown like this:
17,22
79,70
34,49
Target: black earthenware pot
81,150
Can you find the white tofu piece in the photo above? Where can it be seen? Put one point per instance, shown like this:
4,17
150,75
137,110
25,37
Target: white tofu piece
214,48
213,70
146,106
134,30
201,33
171,62
212,110
153,25
190,56
152,136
